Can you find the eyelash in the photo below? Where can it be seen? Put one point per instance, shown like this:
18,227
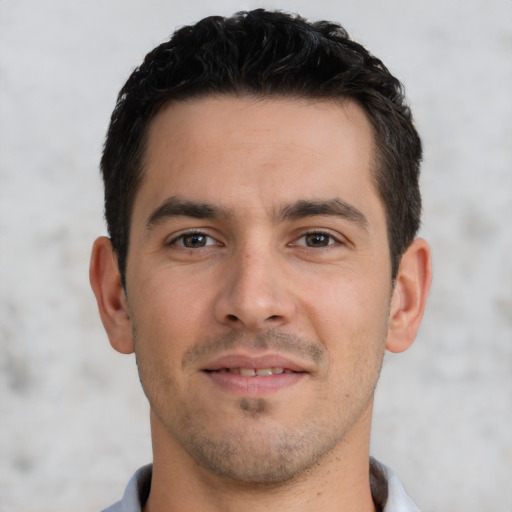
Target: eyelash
198,234
332,239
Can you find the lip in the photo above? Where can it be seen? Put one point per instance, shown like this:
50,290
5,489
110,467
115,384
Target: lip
254,385
254,362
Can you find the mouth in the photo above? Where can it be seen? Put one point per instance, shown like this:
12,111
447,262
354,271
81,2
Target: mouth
254,372
254,376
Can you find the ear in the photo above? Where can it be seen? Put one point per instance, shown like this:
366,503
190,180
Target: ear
409,297
112,304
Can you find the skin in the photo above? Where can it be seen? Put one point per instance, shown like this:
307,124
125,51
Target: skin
257,232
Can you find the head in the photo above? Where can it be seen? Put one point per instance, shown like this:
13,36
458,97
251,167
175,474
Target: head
263,55
262,199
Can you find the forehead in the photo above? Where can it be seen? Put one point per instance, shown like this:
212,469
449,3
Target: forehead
223,148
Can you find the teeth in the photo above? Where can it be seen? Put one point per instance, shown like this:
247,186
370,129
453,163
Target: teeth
264,371
250,372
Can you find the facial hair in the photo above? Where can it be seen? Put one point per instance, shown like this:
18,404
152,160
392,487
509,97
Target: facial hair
254,446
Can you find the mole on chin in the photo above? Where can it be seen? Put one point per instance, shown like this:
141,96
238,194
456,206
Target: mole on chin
253,406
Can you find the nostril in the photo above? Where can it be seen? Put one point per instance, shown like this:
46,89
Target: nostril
232,318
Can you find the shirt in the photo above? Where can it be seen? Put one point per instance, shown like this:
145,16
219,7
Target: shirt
387,491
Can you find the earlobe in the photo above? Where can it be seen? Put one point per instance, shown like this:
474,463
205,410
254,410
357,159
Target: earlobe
112,304
409,297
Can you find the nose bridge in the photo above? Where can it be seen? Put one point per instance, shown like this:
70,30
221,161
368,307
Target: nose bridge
254,293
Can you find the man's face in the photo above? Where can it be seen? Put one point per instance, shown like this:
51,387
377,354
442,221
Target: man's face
258,282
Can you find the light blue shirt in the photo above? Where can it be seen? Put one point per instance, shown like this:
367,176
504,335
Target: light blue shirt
383,478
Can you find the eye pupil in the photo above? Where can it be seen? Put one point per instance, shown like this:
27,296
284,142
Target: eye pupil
317,240
194,241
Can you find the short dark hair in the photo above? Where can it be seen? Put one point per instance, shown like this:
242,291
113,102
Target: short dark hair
265,54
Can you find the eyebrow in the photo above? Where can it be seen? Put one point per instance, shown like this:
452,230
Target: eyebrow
332,207
176,207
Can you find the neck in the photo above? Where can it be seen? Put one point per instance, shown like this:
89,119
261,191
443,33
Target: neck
340,481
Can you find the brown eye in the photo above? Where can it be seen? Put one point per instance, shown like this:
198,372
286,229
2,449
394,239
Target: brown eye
194,240
316,240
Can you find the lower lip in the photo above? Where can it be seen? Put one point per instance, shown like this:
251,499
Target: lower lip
256,385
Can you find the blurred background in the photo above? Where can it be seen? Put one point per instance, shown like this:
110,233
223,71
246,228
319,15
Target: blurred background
73,420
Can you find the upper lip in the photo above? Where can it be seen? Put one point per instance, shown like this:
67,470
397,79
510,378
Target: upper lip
254,362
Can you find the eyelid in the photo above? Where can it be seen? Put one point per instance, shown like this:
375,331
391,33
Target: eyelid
175,237
337,238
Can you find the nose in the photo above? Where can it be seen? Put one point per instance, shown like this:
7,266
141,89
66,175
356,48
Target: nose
255,292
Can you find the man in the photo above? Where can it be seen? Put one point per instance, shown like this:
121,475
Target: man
261,192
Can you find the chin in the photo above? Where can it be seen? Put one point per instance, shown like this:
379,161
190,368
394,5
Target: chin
269,455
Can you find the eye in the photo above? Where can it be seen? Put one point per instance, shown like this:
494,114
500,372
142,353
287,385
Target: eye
193,240
316,239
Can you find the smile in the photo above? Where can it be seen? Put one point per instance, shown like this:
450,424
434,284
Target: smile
253,372
246,374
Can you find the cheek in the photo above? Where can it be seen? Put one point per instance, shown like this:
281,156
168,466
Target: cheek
350,319
160,337
344,303
169,310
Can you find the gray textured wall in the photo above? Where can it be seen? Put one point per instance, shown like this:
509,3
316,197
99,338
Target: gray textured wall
73,420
